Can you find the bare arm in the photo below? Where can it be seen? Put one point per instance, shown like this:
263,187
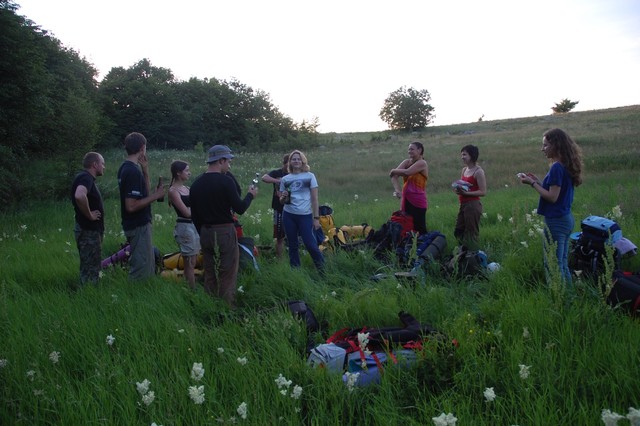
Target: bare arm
83,203
176,200
268,179
315,207
550,195
135,204
419,166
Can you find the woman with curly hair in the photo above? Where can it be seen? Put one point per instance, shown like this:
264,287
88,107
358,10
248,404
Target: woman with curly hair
556,191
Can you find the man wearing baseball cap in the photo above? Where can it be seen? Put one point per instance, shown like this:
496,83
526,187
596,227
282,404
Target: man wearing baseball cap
214,196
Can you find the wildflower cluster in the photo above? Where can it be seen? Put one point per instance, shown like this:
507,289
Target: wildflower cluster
197,371
284,385
444,420
196,393
351,379
611,418
143,389
489,394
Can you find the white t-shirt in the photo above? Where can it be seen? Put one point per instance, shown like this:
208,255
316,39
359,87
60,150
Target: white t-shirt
299,185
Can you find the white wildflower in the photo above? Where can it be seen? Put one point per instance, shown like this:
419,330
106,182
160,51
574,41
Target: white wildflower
297,392
616,212
143,387
148,398
352,379
524,371
489,394
634,416
282,381
444,420
499,217
525,332
54,356
181,330
3,363
220,350
611,418
241,289
524,244
355,197
242,361
242,410
197,371
31,374
196,393
110,340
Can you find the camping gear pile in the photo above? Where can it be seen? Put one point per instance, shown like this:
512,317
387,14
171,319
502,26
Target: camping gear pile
362,354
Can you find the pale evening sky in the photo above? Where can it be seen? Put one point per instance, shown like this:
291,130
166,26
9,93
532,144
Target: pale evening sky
339,60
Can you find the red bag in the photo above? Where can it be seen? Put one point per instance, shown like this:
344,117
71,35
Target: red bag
403,219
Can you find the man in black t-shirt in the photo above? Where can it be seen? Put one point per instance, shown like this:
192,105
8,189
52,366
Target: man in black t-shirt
214,197
89,216
135,206
274,177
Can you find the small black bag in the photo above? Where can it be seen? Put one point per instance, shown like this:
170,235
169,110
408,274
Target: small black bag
625,292
302,311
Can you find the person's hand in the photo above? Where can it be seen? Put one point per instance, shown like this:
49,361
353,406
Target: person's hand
397,194
143,161
95,215
316,223
253,190
528,178
159,192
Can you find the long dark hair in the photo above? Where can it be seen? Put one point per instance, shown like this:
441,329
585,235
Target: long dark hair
568,152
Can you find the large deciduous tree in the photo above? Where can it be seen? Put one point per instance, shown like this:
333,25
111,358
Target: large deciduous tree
407,109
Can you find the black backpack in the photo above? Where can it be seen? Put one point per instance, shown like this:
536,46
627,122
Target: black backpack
588,252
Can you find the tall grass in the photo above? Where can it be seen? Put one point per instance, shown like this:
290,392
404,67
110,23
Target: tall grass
580,352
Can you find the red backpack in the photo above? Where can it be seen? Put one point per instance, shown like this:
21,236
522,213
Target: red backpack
403,219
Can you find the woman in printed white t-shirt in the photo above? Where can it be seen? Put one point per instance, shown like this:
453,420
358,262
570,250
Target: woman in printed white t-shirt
300,216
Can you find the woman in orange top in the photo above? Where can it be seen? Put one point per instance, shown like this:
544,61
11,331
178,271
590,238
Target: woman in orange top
413,194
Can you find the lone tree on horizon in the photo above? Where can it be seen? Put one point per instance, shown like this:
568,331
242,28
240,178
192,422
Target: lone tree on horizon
563,106
407,109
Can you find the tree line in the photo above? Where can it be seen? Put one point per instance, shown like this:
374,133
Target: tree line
53,106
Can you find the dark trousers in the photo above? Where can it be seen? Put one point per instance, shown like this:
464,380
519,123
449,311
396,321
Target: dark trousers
221,260
90,250
467,229
419,217
301,224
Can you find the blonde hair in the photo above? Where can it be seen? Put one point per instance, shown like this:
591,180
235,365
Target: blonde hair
305,163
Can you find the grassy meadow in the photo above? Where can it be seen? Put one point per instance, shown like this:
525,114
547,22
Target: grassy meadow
124,353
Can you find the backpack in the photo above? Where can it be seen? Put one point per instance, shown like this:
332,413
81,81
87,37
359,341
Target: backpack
465,263
625,292
589,247
248,254
385,240
404,219
429,247
326,219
